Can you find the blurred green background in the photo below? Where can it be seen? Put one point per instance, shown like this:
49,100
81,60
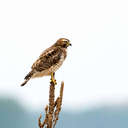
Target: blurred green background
14,115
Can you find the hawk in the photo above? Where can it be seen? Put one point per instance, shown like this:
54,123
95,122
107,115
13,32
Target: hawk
49,61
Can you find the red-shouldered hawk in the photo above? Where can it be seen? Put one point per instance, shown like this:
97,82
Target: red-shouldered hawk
49,61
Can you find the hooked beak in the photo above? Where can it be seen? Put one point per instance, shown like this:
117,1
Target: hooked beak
69,44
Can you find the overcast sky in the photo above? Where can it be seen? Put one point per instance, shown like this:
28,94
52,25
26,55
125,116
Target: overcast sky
96,69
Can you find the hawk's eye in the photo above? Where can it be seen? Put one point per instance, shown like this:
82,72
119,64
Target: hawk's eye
65,45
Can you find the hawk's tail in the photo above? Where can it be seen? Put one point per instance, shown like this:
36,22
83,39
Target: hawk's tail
27,78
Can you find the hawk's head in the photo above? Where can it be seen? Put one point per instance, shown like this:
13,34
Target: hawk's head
63,43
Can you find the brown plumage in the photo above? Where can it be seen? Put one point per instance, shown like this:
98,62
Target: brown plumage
49,61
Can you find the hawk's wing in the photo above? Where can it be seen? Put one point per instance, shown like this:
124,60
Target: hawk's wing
47,59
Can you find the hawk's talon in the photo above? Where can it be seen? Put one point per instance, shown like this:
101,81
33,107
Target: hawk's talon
53,81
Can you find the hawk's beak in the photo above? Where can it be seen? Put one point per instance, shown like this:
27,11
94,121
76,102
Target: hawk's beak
69,44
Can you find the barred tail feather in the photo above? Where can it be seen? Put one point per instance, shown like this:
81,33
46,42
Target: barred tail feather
27,77
25,82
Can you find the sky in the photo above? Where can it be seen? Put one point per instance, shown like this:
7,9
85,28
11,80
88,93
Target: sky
95,71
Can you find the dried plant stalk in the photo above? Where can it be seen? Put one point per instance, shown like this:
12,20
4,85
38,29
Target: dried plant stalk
51,105
45,122
53,109
39,121
58,105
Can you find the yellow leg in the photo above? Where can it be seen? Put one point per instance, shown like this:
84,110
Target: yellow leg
52,78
